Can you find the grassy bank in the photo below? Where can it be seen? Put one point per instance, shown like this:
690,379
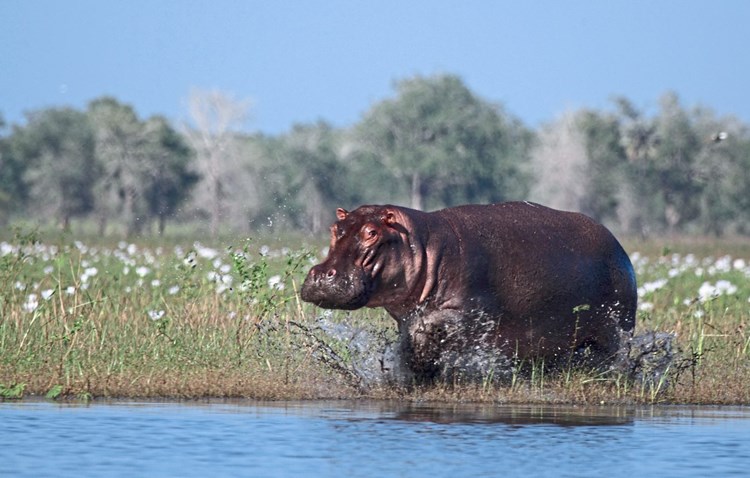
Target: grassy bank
121,319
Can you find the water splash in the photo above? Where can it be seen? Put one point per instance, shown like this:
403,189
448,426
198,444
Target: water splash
370,357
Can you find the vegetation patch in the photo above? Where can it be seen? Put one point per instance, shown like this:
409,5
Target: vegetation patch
181,321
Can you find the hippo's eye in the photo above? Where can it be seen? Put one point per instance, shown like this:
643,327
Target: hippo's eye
369,235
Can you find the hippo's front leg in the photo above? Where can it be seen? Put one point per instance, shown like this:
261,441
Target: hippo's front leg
425,336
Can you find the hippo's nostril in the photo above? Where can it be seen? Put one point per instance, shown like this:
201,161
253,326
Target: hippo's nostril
331,273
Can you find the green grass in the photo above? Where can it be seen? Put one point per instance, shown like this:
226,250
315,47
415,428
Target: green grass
181,320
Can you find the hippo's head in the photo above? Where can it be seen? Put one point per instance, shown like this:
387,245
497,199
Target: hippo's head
364,257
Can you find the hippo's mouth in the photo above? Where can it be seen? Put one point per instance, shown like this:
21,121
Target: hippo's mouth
347,293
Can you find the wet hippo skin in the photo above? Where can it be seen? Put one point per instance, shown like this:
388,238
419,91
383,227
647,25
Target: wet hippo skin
517,280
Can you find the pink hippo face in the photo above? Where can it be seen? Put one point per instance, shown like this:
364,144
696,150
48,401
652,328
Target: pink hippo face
364,257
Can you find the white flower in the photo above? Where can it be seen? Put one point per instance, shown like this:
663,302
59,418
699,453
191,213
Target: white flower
205,252
708,291
47,293
155,314
155,283
225,268
725,287
650,287
274,282
81,246
32,302
70,290
646,306
173,290
19,285
190,260
48,270
5,248
142,271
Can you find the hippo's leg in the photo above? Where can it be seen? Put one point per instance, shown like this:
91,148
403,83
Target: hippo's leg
424,337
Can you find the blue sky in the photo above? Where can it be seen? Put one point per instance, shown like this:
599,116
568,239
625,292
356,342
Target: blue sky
300,61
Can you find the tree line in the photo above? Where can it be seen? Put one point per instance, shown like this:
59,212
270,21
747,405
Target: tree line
433,143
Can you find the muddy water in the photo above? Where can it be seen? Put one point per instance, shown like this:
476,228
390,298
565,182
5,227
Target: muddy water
369,439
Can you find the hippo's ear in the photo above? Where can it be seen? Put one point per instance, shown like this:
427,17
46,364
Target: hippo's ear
341,214
393,219
389,217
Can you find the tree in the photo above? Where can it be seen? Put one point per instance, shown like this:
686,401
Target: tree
317,177
674,163
606,162
723,170
738,179
120,143
217,118
12,188
560,165
169,181
445,145
58,145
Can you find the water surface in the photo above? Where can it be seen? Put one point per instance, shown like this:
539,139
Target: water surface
367,439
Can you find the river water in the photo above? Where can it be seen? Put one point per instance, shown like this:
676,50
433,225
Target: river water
369,439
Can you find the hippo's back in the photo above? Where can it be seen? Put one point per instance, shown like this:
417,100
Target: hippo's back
537,265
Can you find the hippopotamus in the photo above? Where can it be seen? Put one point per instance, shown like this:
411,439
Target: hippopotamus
514,280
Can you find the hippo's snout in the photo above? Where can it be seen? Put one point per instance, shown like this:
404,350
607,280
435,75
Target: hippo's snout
319,286
319,273
327,288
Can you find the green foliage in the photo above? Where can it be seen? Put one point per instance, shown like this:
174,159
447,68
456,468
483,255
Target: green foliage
444,145
12,392
434,143
54,392
144,166
606,164
169,180
306,177
58,146
13,190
